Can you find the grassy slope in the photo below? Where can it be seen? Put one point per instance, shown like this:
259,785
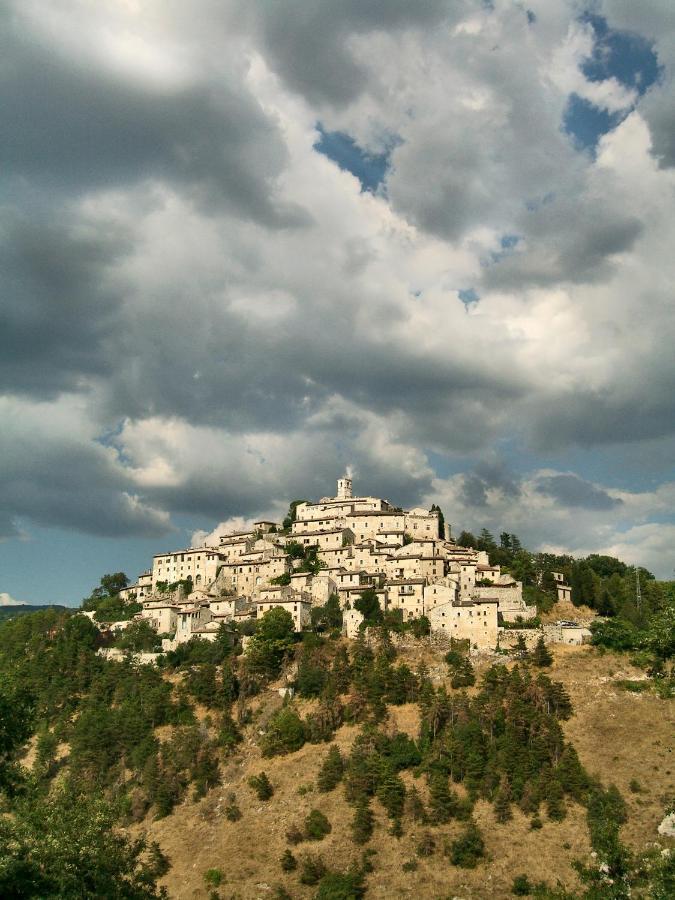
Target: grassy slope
621,736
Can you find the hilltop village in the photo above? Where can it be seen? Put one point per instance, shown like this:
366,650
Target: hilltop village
340,546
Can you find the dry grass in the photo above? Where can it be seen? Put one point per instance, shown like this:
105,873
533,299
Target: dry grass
619,735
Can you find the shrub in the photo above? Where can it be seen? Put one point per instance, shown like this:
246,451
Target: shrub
232,811
288,862
294,835
285,733
341,886
468,849
426,846
521,886
213,877
317,826
410,866
312,870
261,785
536,823
331,771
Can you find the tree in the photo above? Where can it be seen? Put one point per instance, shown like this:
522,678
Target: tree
441,520
16,722
65,845
541,655
469,848
467,539
285,733
362,823
369,607
331,771
262,786
270,643
291,515
316,826
329,615
139,636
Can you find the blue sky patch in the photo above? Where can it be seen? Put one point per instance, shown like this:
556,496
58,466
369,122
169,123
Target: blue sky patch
370,169
586,123
624,55
468,296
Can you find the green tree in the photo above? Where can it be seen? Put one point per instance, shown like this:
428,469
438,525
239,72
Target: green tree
316,826
331,771
541,655
369,607
362,823
271,642
285,733
261,785
139,636
468,849
66,845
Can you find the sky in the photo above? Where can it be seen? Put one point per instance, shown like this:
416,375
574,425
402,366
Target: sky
246,245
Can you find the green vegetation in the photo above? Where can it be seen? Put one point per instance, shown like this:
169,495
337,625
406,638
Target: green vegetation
262,786
316,826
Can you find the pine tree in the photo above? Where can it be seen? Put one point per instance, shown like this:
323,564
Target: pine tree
541,655
555,800
262,786
441,800
502,804
362,823
521,648
331,771
288,862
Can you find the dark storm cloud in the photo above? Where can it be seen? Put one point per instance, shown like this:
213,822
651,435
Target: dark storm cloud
572,491
567,240
57,312
307,41
54,476
488,476
69,127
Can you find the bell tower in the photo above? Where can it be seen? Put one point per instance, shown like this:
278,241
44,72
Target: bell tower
344,489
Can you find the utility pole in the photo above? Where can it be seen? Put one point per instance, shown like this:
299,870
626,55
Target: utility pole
638,592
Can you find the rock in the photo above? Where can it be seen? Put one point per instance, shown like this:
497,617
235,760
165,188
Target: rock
667,827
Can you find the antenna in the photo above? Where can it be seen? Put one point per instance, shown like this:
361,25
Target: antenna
638,592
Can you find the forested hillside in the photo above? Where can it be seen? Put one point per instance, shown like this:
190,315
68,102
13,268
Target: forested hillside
406,760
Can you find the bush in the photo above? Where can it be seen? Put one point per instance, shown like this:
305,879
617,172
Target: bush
285,733
312,870
521,886
213,877
232,811
341,886
294,835
317,826
261,785
468,849
426,846
288,862
410,866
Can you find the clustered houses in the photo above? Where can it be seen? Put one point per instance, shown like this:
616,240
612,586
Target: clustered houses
361,543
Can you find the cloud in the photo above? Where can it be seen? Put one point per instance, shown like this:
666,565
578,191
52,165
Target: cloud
570,490
7,600
206,316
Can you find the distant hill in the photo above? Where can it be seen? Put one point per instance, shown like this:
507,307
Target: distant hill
20,609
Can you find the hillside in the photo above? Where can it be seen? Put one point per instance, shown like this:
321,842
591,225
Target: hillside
22,609
619,735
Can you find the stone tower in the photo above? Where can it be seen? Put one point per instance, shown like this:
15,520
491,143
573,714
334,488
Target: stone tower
344,488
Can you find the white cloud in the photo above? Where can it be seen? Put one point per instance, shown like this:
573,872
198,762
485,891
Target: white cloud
7,600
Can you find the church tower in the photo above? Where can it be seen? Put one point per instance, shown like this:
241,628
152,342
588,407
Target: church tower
344,489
